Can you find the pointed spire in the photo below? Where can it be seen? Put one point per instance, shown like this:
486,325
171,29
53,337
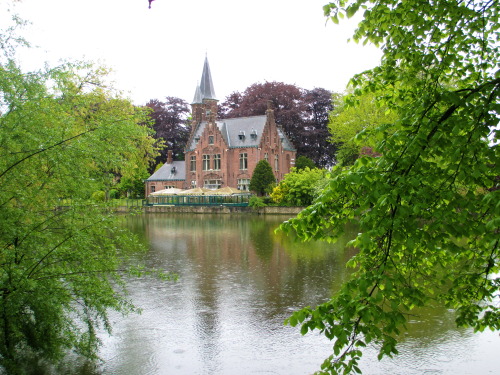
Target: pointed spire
198,99
206,85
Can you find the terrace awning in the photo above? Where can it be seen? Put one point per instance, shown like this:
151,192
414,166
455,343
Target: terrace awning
166,192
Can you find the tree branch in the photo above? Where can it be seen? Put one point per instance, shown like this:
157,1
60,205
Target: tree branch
43,150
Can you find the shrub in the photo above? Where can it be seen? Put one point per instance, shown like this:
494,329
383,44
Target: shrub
298,188
99,196
114,194
256,202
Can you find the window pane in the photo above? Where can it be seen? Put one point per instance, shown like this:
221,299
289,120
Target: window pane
243,161
243,184
206,162
193,164
217,162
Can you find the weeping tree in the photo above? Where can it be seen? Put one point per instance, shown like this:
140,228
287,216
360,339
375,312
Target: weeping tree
427,204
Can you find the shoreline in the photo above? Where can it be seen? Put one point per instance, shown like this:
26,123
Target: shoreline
269,210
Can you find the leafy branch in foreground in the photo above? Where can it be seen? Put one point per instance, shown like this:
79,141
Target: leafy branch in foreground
428,207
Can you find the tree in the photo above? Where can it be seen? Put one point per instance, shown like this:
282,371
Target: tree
132,187
170,121
62,255
303,115
427,207
262,178
350,118
315,135
299,187
303,162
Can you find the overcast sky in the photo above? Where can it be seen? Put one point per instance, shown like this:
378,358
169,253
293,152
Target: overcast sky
159,52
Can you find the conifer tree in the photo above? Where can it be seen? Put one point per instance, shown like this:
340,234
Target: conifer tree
262,178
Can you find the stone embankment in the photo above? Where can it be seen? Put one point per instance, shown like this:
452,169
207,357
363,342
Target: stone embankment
271,210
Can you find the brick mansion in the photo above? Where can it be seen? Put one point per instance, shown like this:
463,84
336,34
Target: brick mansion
224,153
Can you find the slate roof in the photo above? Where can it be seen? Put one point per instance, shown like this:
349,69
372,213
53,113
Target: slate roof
287,144
165,173
240,132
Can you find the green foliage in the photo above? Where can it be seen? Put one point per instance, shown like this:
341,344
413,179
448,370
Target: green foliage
133,187
303,161
262,177
62,135
114,194
356,117
298,188
428,207
98,196
256,202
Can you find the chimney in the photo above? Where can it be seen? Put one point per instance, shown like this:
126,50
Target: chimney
169,157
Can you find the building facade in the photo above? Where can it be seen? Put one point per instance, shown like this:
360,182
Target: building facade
222,153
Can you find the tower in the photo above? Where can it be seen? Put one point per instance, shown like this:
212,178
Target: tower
204,105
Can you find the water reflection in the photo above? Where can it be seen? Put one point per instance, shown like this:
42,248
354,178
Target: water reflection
238,281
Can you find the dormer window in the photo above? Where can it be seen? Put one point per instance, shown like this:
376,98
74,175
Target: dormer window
253,134
173,170
196,139
241,136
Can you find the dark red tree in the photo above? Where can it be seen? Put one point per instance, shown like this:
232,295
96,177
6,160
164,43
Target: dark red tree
302,114
316,145
171,124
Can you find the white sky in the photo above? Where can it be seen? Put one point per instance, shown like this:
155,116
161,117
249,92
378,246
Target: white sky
159,52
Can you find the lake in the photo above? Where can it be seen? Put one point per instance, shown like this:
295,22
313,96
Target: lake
238,281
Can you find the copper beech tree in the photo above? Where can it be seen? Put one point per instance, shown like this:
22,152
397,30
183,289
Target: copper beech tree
302,114
170,122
